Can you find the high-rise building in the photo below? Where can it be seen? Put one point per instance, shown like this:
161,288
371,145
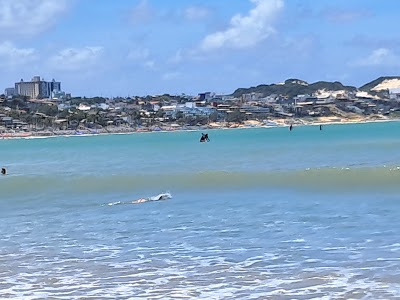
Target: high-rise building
55,86
37,88
8,92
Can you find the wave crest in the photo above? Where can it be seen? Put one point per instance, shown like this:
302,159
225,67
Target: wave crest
309,179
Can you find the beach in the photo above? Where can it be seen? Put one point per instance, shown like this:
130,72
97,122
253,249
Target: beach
260,213
277,122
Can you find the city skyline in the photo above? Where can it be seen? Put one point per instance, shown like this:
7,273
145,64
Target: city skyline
129,47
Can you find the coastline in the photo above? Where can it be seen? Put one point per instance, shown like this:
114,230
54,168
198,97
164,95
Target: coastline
273,123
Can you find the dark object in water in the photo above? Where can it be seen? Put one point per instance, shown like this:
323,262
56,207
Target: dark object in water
3,171
204,138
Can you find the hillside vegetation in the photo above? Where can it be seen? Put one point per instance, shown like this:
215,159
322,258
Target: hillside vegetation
294,87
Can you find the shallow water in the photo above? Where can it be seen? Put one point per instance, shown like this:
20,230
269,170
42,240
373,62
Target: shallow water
255,214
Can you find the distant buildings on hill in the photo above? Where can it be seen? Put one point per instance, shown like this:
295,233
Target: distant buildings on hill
37,88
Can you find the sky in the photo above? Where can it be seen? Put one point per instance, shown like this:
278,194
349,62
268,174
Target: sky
148,47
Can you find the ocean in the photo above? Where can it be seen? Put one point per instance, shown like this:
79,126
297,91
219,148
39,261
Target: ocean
263,213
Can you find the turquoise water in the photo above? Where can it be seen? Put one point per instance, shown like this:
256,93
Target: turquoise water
255,214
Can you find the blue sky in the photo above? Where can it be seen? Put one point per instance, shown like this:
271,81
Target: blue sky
145,47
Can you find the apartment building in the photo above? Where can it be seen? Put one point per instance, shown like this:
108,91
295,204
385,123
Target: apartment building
37,88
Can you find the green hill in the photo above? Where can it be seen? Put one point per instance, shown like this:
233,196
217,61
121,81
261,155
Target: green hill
294,87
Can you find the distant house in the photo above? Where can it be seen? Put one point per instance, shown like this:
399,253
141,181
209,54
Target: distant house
252,97
57,95
83,107
394,94
170,110
6,122
190,104
205,96
305,99
63,106
103,106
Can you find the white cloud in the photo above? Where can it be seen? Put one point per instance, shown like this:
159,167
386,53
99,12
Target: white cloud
177,58
139,54
73,59
29,17
246,31
10,55
150,64
142,56
170,75
340,15
142,13
379,57
196,13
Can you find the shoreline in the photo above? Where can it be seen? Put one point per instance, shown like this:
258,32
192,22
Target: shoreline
126,130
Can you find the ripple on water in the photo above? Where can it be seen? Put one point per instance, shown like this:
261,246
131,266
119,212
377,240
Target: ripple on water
206,276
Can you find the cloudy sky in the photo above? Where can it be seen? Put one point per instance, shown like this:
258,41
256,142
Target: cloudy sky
141,47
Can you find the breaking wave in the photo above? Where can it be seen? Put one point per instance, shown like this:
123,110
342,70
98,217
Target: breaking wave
310,179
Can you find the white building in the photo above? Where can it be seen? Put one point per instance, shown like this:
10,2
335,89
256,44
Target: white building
394,94
252,96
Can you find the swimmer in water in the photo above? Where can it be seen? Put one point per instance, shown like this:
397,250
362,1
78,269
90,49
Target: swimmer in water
204,138
159,197
3,171
141,200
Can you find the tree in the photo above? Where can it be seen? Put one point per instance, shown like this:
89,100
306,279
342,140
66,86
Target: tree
160,113
235,116
135,117
50,110
179,117
213,117
190,120
17,103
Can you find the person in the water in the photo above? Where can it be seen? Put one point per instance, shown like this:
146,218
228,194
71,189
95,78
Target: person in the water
159,197
141,200
204,138
3,171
